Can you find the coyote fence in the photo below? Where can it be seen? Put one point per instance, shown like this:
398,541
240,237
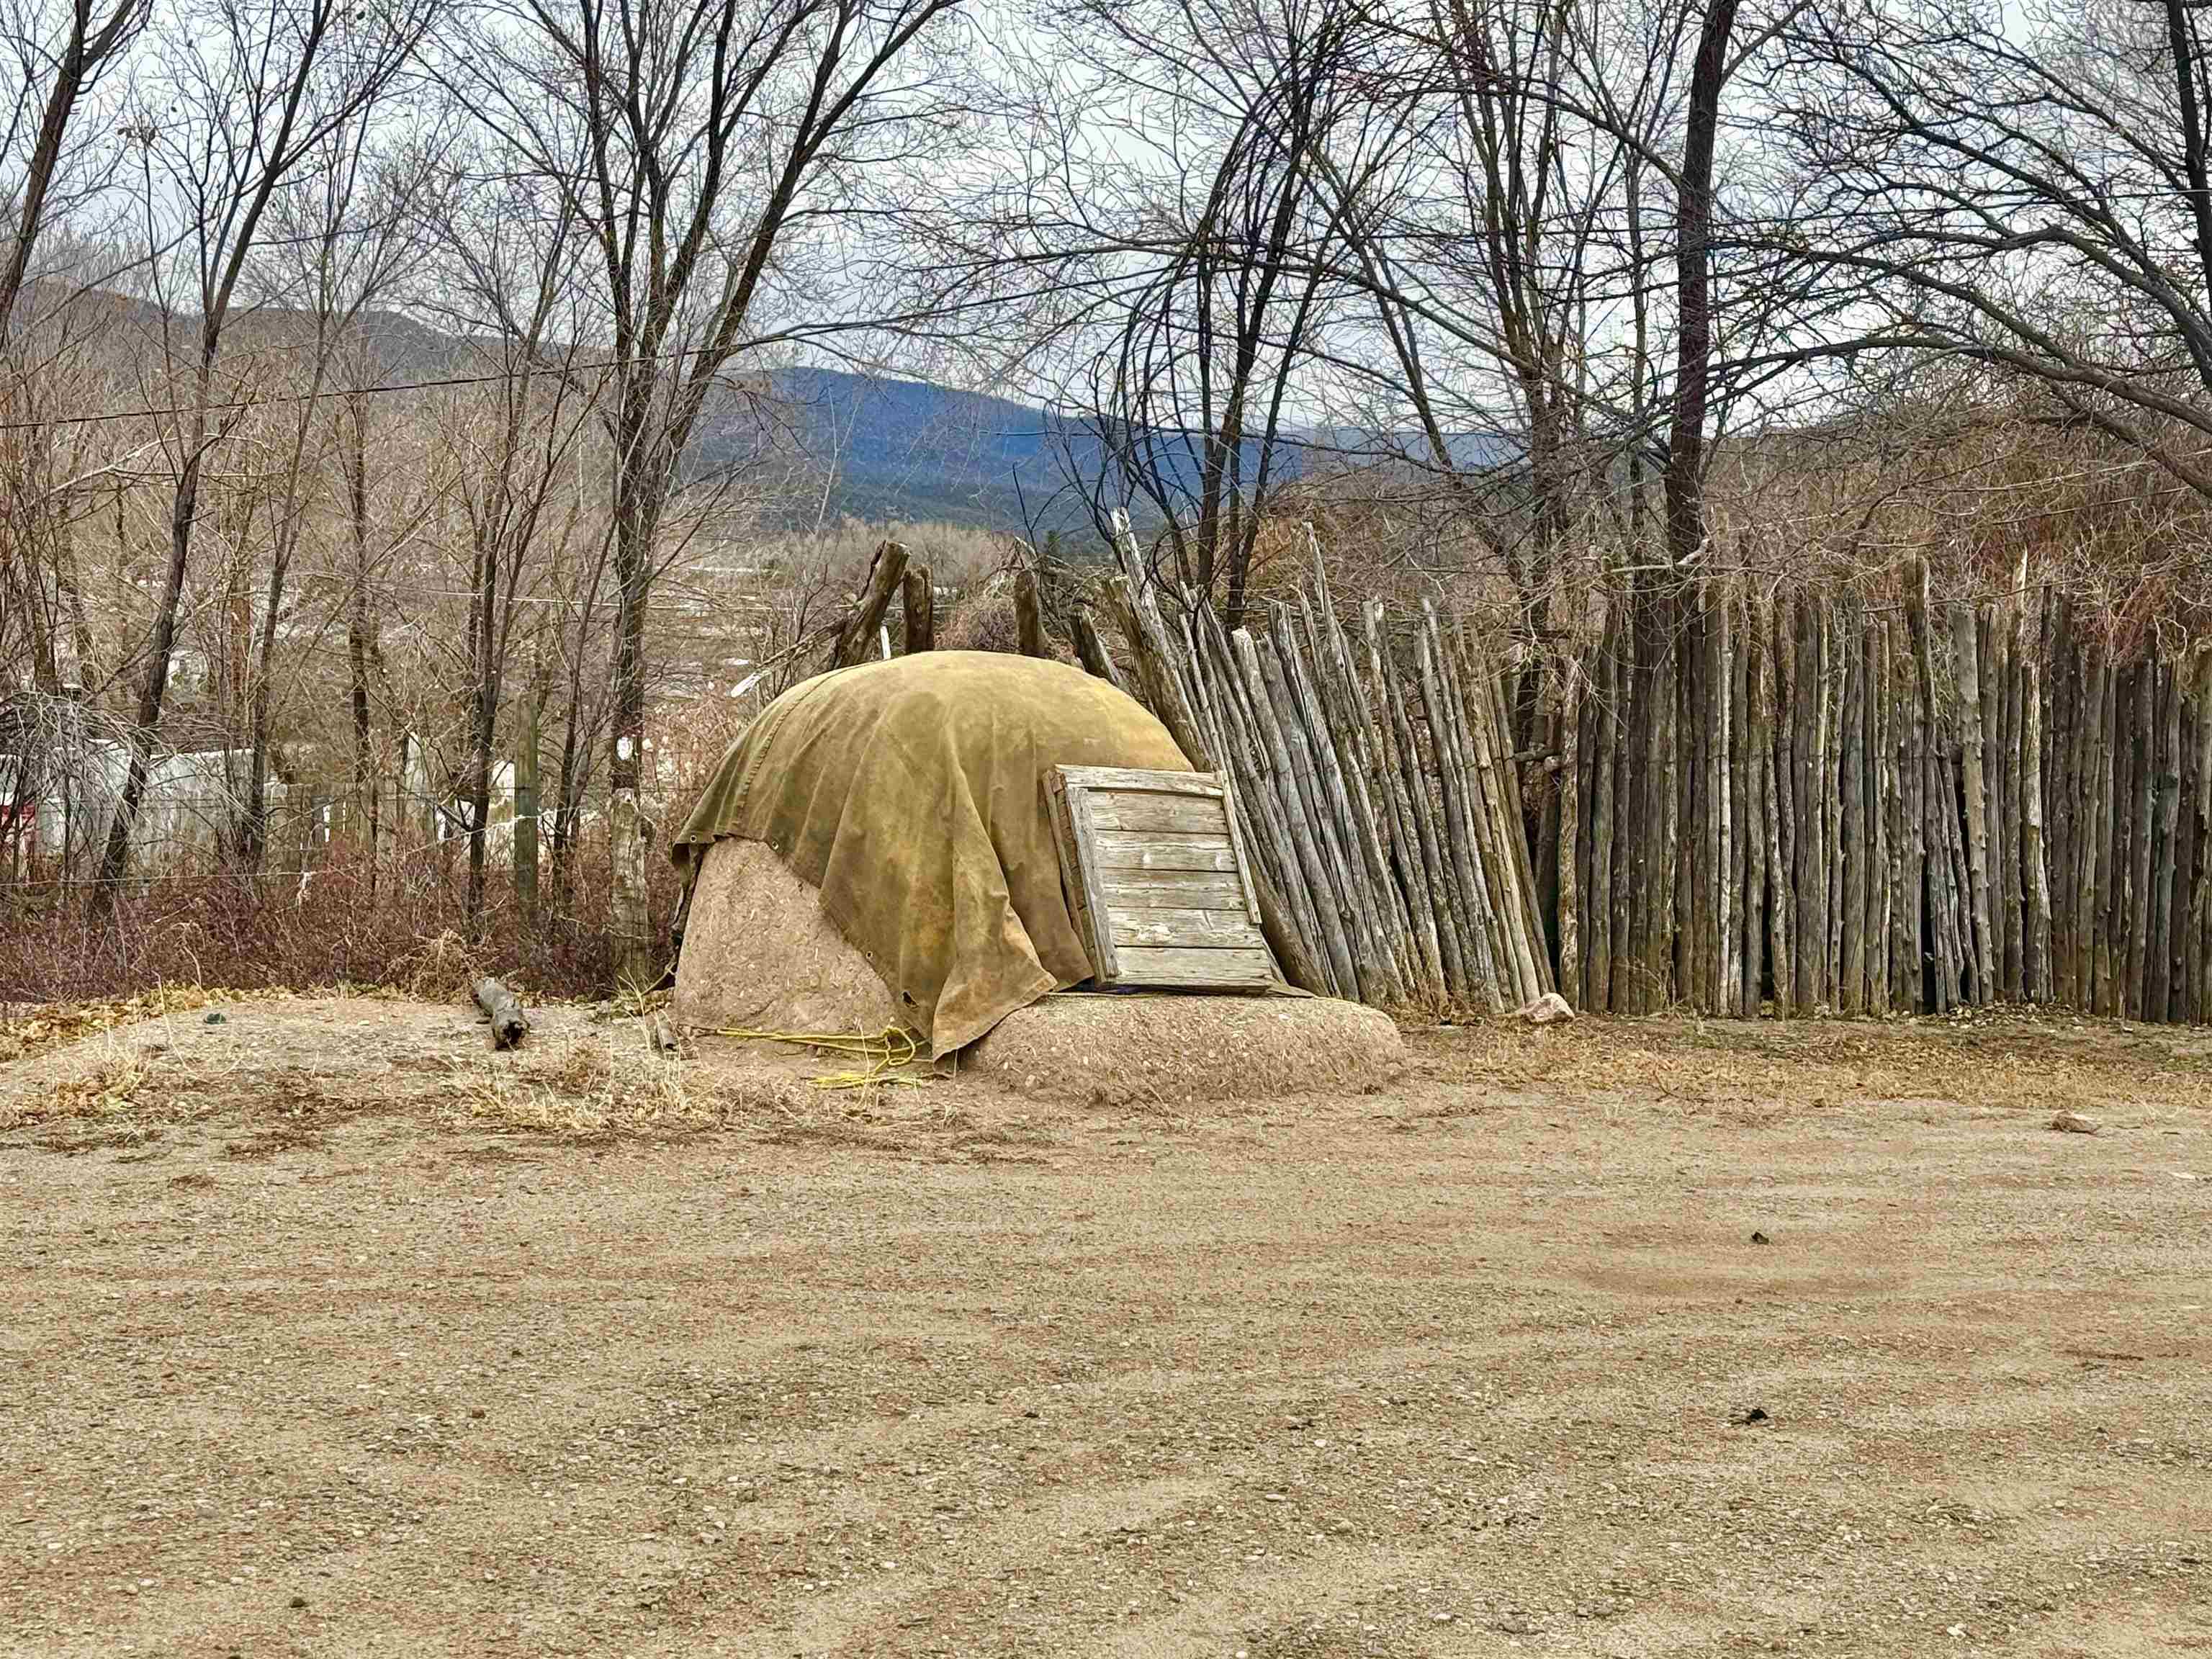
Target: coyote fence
1821,802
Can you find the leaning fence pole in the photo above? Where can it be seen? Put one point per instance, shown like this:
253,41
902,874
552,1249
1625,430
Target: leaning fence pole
1966,664
1410,785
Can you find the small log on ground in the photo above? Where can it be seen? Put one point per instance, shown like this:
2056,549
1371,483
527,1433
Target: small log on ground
504,1010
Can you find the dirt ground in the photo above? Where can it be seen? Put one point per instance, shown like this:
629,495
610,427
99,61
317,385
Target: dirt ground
326,1333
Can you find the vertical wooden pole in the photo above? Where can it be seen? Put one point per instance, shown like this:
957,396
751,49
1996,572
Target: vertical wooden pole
1327,894
1773,726
1500,742
2103,780
1342,881
1469,694
1812,883
1748,855
2011,756
1342,771
1854,842
2200,950
1376,788
1631,739
2089,707
1570,978
1782,885
1604,712
2158,973
2035,879
1401,752
1675,836
2059,675
1936,801
1713,839
1828,810
1488,964
2142,744
1028,615
1880,795
1913,824
1966,654
1986,646
2187,788
919,601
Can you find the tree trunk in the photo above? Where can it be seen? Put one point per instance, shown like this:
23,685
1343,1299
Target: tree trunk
115,857
630,907
360,632
1686,442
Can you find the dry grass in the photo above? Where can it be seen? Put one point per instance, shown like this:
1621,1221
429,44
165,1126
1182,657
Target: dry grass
2025,1060
103,1104
112,1098
31,1030
608,1084
94,1075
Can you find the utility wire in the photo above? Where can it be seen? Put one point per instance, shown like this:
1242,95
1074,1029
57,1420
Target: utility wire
149,411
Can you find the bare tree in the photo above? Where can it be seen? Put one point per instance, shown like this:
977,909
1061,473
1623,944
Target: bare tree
247,96
61,53
714,134
339,240
2034,195
1225,273
1694,304
509,249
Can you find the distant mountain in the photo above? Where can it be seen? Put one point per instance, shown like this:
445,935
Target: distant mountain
898,449
889,449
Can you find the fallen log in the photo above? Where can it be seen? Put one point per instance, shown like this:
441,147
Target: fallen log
504,1010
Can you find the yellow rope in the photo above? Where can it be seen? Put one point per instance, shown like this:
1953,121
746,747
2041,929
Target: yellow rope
885,1052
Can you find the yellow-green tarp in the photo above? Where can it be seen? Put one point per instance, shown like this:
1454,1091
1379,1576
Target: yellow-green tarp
911,793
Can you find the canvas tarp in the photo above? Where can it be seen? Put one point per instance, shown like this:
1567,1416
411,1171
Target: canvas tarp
911,793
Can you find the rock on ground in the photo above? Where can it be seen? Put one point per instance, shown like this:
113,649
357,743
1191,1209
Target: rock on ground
1119,1049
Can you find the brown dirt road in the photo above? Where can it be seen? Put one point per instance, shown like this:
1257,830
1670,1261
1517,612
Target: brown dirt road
335,1360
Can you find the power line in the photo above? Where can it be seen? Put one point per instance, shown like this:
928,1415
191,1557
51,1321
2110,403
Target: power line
151,410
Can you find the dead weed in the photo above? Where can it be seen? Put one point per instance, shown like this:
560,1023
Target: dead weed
440,969
267,1142
600,1085
1756,1072
26,1031
112,1103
